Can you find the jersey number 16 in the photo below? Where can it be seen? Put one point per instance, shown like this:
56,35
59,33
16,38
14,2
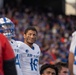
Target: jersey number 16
33,64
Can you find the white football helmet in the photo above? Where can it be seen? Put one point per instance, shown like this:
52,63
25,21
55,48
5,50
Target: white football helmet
7,27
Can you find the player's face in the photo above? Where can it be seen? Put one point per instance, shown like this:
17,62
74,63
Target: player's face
30,37
49,71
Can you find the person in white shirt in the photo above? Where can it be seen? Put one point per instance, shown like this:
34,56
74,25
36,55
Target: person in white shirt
72,55
29,53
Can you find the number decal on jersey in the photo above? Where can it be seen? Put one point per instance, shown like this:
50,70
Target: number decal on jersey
33,64
17,60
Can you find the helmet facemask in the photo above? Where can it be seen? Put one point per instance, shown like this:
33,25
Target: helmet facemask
8,29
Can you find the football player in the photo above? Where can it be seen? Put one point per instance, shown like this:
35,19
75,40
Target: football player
8,29
72,55
7,57
29,52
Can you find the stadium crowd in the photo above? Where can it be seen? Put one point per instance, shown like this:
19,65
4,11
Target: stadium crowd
54,31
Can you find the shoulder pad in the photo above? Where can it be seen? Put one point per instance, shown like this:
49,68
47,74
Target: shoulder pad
74,33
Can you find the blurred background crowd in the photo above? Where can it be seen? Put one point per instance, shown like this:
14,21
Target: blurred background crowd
54,30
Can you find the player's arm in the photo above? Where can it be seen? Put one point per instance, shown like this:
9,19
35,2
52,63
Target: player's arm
71,60
9,59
